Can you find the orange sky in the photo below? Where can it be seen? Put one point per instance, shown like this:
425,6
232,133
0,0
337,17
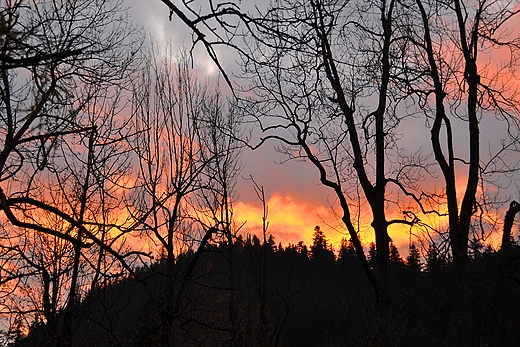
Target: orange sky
296,206
290,221
296,200
298,203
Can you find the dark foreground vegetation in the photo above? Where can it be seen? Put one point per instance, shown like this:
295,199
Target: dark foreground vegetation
252,293
114,150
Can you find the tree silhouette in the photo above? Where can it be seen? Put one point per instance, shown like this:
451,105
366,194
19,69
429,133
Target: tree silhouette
389,101
188,166
319,242
473,89
63,68
413,260
323,64
433,263
395,256
347,250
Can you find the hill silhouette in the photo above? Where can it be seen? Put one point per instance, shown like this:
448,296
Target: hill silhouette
255,294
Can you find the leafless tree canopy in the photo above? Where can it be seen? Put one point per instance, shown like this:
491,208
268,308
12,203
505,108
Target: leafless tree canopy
351,86
111,155
64,68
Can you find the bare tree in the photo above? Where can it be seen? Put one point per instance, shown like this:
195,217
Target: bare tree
324,83
337,81
463,88
188,167
312,67
63,67
218,132
165,104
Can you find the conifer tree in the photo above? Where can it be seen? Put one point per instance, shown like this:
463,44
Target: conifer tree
395,256
432,260
320,248
347,250
413,260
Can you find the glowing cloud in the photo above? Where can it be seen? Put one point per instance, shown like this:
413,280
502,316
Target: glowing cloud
289,221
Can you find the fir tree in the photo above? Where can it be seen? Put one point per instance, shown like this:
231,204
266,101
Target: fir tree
301,248
319,240
432,259
319,248
395,257
413,261
347,250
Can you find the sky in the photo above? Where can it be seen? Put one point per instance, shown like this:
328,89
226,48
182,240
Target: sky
296,201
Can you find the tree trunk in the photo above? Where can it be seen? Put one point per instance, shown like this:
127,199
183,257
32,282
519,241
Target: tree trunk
505,248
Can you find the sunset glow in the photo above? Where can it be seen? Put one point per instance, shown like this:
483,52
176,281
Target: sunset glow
246,173
290,221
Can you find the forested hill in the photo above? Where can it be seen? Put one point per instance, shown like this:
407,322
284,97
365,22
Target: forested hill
252,293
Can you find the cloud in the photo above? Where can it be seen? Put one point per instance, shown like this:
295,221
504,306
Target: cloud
289,220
